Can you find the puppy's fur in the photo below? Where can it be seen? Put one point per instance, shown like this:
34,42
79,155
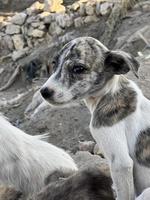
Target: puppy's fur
88,184
120,122
26,160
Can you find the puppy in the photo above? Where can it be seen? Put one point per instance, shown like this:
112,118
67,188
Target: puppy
26,160
145,195
120,121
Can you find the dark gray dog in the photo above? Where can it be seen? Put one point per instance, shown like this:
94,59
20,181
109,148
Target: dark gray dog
87,184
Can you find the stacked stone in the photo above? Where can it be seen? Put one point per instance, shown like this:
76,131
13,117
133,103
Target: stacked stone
45,21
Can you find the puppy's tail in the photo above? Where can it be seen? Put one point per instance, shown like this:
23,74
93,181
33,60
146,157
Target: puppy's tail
44,137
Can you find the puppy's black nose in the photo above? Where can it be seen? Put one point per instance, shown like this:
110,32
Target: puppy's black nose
46,93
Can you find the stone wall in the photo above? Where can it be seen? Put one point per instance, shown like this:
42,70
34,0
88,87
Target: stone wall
15,5
43,22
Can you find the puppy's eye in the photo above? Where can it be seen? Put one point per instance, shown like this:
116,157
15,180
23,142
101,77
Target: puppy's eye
78,69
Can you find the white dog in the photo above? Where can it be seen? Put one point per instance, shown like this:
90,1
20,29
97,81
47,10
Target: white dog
26,160
120,114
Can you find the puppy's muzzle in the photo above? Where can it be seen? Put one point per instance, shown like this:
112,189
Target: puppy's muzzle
47,93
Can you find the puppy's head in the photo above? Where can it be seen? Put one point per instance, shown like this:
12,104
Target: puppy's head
83,67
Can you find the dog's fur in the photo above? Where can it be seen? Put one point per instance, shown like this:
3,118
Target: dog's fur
87,184
145,195
9,193
26,160
120,122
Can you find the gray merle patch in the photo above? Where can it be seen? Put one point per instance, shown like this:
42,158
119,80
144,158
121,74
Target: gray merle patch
113,108
142,148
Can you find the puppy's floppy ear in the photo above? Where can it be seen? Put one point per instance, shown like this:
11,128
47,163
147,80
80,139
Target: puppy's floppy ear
120,62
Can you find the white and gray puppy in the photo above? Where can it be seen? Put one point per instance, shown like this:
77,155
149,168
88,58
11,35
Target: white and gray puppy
26,160
120,114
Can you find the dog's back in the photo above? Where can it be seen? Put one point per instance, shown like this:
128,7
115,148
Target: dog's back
9,193
88,184
26,160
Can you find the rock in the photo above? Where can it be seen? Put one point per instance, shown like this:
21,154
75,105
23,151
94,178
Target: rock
12,29
89,9
47,5
1,19
36,7
87,146
98,7
19,19
143,5
18,41
85,159
37,33
75,6
98,151
48,19
8,42
19,54
82,10
134,42
106,8
54,6
43,15
41,26
78,22
90,19
32,19
35,24
29,42
64,20
29,31
54,29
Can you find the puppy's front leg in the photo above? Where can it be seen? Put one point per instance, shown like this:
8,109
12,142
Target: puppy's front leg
113,142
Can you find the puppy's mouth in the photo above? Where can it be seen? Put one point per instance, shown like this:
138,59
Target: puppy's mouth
57,104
